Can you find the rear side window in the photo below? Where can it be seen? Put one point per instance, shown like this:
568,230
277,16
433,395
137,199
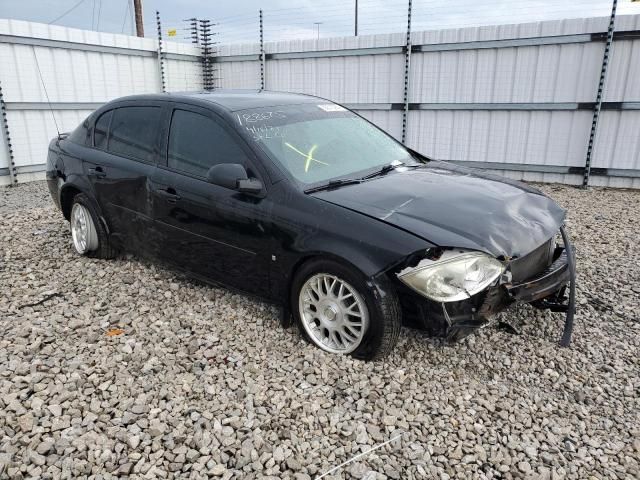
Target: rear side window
81,135
101,129
134,131
196,143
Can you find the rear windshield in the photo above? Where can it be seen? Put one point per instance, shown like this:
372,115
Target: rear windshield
315,143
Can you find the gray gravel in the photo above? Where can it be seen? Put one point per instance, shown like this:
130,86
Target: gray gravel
204,383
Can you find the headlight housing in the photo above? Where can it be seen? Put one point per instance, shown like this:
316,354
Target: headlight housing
453,277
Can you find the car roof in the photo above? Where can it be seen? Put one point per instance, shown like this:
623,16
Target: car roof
233,100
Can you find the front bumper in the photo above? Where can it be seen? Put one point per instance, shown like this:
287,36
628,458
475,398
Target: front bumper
546,283
456,320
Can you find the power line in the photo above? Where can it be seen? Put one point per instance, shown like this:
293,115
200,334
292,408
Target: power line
99,10
45,89
126,14
66,13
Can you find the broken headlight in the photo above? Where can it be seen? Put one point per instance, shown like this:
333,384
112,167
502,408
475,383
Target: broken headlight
454,276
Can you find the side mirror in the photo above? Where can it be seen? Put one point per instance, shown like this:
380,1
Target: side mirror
234,177
250,185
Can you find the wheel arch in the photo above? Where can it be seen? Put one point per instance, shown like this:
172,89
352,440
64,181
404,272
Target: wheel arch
67,194
383,302
370,272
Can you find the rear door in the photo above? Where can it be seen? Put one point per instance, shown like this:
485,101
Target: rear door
127,143
210,230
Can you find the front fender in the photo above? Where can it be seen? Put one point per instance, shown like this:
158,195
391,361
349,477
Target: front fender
365,244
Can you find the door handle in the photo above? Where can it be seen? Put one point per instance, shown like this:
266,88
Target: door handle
169,194
98,171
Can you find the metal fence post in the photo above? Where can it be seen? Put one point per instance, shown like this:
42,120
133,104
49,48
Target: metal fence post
11,164
599,95
407,66
262,55
160,54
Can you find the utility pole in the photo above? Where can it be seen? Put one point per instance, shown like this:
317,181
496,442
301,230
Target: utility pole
356,20
317,24
137,9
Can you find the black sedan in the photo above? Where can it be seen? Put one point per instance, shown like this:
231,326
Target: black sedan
304,203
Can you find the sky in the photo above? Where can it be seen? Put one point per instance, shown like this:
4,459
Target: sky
237,21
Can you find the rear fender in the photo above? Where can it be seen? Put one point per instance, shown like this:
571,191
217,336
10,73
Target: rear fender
74,184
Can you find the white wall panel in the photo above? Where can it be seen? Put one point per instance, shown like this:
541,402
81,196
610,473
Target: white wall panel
183,75
536,74
549,73
238,49
565,73
388,120
239,74
72,75
55,32
569,179
353,79
522,137
618,140
335,43
32,130
623,80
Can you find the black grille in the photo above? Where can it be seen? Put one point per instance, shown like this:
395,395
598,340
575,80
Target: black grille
533,263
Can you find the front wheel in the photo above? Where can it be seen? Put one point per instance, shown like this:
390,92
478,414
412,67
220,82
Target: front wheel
337,312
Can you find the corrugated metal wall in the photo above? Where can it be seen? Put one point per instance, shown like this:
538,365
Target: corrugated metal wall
509,96
81,70
514,98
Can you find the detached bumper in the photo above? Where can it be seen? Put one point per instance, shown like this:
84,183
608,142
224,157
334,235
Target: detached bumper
546,283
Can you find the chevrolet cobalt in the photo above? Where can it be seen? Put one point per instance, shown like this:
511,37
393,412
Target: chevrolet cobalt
304,203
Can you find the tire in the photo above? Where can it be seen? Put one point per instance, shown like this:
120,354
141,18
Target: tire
332,324
96,240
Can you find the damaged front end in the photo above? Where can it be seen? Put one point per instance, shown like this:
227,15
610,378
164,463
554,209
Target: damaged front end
452,292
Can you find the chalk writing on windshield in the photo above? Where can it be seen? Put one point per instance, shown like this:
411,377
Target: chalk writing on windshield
248,118
265,132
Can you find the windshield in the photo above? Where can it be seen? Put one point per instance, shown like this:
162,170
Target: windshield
316,143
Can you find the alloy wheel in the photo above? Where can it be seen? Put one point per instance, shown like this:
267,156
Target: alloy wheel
333,313
83,231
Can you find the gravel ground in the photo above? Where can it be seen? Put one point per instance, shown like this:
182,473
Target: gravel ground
200,382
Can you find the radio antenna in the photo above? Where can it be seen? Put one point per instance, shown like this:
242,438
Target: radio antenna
46,94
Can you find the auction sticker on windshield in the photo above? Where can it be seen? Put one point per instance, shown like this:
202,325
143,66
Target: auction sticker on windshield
331,107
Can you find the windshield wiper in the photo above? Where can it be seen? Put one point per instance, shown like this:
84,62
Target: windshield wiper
333,184
385,169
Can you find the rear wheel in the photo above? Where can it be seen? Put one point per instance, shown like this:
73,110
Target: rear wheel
337,312
87,231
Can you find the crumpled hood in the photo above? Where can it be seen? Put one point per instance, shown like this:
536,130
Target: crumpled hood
454,206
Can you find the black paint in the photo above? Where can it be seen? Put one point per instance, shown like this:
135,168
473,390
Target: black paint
254,242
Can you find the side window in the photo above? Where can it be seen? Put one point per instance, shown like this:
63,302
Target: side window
101,129
82,134
196,143
134,131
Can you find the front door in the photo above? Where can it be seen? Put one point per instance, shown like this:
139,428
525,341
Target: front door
207,229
